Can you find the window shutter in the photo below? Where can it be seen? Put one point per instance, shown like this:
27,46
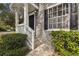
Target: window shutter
73,17
45,20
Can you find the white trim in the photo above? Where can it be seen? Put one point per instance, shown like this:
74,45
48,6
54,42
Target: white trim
34,21
48,17
53,5
21,24
58,29
34,5
62,16
16,21
78,15
31,13
69,15
33,40
26,18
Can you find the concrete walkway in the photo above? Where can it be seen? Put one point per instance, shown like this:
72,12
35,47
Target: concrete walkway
42,50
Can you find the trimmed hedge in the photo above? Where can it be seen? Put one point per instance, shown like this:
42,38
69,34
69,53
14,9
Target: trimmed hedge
13,44
66,43
15,52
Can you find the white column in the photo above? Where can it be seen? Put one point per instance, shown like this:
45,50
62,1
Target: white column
26,19
78,15
69,12
16,21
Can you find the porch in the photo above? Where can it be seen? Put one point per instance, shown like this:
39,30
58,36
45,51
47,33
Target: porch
25,20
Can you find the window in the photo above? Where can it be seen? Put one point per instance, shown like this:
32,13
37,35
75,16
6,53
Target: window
54,11
59,25
65,22
59,13
60,10
54,25
66,8
58,18
64,12
50,25
65,25
60,7
50,13
54,14
54,22
66,5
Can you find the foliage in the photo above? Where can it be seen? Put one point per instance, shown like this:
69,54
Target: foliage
15,52
7,17
66,43
4,27
1,6
13,44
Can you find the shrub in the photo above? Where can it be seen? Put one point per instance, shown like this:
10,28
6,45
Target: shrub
4,26
15,52
13,44
66,43
1,29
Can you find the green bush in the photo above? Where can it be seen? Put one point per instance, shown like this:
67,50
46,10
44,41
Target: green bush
4,26
15,52
13,44
66,43
1,29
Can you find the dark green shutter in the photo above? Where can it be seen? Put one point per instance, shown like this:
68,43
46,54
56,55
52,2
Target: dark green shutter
45,20
73,16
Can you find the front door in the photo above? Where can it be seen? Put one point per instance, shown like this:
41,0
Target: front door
31,21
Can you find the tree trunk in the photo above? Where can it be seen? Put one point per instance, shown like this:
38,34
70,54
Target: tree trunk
40,26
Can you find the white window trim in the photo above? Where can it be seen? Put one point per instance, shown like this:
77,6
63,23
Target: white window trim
58,29
53,5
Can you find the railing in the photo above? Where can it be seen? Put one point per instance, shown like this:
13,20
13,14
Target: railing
20,28
27,30
30,34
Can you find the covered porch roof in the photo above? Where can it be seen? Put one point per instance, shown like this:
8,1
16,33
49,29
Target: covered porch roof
19,6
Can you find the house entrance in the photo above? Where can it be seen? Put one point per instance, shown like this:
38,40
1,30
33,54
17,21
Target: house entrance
31,21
